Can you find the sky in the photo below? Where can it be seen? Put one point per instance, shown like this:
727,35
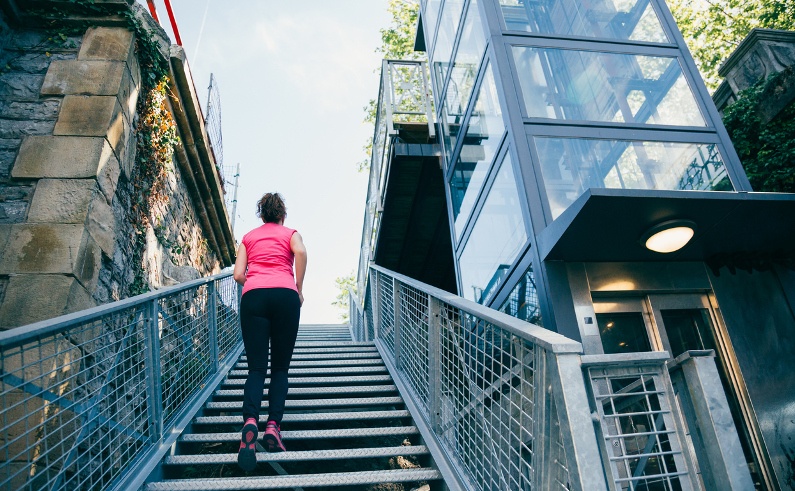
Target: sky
294,77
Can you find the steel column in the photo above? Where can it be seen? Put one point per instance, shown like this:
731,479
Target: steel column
153,372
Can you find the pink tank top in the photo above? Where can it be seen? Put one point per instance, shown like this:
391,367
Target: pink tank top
270,257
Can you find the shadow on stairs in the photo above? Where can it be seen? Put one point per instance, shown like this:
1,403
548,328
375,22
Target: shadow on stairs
345,427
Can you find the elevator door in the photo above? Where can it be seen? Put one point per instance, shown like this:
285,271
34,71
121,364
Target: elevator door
677,323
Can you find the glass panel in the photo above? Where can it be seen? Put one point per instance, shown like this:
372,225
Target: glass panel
522,303
623,332
462,78
496,239
607,87
448,26
570,166
688,329
633,20
482,139
429,21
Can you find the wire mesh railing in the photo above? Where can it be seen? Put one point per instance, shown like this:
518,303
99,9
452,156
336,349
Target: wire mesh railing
86,397
504,400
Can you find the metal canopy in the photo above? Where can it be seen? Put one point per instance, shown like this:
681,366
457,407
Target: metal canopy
605,225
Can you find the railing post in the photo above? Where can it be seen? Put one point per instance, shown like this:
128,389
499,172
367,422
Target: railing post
710,421
153,373
212,318
576,424
396,323
375,296
435,362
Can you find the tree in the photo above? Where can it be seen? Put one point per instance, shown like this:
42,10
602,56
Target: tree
347,286
714,28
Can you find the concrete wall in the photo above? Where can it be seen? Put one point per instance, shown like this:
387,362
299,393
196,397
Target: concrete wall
68,116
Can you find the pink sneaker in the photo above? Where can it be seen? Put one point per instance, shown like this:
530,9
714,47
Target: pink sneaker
273,438
247,454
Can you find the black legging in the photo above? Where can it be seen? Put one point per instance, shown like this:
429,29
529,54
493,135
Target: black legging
268,314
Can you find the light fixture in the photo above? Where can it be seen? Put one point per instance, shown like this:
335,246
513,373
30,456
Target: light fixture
669,236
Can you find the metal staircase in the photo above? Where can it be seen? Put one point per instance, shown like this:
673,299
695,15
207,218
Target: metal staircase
345,426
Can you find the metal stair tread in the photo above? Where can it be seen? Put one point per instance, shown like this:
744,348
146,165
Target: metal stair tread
316,390
321,371
300,455
326,363
331,356
306,434
305,417
283,482
319,380
314,403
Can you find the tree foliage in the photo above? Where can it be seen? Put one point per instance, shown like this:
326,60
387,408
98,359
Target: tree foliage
346,286
713,29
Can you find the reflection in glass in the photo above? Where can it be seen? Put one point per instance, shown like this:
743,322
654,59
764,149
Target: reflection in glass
606,87
522,302
570,166
462,77
496,238
688,329
443,49
482,139
632,20
429,19
623,332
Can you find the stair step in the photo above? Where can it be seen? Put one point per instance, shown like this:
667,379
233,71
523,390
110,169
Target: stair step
316,390
335,349
284,482
310,417
325,363
321,371
330,356
288,435
318,380
312,403
300,456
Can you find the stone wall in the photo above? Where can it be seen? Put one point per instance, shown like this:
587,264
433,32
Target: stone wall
68,237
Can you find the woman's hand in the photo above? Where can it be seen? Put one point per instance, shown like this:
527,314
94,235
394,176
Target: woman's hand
301,298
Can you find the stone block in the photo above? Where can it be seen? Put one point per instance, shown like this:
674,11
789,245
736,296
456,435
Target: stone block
36,297
101,224
13,128
20,86
54,249
44,110
13,212
88,77
36,62
62,200
5,234
107,43
58,157
93,116
108,172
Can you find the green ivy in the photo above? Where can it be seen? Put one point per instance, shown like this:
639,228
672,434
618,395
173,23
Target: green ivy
766,150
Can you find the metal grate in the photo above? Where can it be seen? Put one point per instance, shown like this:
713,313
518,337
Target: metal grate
643,447
482,386
85,395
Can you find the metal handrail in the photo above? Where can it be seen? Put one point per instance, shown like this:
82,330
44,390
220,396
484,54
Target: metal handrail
95,398
501,403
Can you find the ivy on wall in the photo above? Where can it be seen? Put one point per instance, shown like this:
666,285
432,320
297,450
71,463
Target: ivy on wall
766,149
155,131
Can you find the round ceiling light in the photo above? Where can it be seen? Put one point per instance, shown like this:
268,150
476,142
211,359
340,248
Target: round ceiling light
669,236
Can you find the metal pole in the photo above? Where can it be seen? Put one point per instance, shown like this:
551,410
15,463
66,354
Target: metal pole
396,323
435,362
153,375
153,10
212,318
173,22
234,197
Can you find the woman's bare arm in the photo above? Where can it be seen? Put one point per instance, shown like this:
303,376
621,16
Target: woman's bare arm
299,249
240,265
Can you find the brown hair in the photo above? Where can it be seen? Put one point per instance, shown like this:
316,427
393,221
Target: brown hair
271,208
